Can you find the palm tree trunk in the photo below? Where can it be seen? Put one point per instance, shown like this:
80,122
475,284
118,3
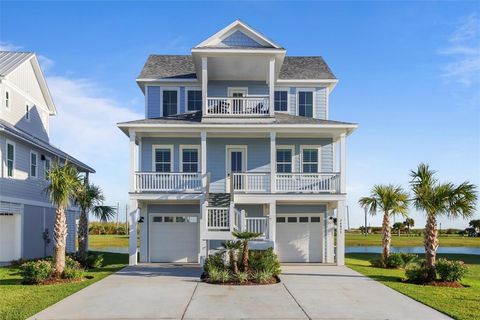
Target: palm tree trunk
60,237
431,245
245,256
387,236
82,234
235,262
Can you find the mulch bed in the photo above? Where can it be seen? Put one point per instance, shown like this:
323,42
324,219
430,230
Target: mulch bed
448,284
59,281
272,280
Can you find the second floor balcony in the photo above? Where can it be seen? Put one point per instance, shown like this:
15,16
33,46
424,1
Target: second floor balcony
252,106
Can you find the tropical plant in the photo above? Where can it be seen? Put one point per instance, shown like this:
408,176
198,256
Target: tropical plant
391,200
64,181
398,227
89,198
34,272
451,270
437,199
475,225
232,247
245,236
242,277
409,223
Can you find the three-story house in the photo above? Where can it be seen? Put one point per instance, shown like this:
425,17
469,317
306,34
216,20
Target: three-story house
237,136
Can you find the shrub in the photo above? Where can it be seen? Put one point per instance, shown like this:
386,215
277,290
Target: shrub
394,261
450,270
407,258
214,262
70,262
34,272
72,273
214,274
377,263
262,276
94,260
416,272
224,275
242,277
265,261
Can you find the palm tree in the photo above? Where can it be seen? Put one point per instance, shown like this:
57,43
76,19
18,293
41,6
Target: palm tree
391,200
438,199
64,181
409,223
398,227
89,198
245,236
232,248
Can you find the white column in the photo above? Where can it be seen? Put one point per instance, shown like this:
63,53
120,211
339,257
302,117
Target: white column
272,222
204,85
271,86
273,162
202,255
341,233
203,218
132,232
203,159
132,186
342,164
330,237
144,234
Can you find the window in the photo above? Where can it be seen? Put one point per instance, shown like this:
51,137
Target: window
33,164
194,100
280,219
281,100
48,163
303,219
292,219
168,219
189,158
284,160
7,99
163,159
305,103
27,112
310,160
315,219
169,102
10,159
157,219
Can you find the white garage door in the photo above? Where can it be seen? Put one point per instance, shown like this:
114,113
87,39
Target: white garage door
9,237
299,238
173,238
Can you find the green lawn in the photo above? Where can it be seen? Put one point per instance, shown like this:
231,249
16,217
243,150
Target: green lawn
458,303
357,239
107,240
19,301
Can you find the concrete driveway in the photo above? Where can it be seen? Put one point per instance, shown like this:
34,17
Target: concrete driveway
174,292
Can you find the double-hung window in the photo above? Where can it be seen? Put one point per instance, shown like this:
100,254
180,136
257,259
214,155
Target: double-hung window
310,160
305,103
281,100
284,160
189,160
48,164
10,159
33,164
194,100
163,159
169,102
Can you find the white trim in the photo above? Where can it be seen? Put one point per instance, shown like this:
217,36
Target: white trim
297,93
187,89
162,146
26,202
228,149
189,146
9,142
146,102
8,106
287,89
290,147
160,80
232,90
319,158
31,165
161,98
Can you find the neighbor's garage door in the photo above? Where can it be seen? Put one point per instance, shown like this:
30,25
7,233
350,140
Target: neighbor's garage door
173,238
9,237
299,238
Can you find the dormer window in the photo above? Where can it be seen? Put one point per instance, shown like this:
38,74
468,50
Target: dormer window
27,112
170,99
7,99
194,100
281,100
305,103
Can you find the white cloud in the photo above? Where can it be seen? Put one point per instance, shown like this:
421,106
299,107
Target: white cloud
6,46
464,52
45,62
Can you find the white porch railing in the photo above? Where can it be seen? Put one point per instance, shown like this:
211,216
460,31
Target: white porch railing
238,106
168,181
257,225
308,182
251,182
218,218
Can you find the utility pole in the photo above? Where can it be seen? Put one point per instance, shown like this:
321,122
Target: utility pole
348,218
118,213
365,221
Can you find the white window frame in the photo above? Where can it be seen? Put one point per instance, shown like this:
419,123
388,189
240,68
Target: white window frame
283,147
7,102
232,147
314,98
319,158
27,111
31,164
190,146
288,98
49,160
162,146
187,89
162,89
232,90
8,142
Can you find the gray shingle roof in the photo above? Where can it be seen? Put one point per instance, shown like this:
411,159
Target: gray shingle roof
10,60
196,117
182,67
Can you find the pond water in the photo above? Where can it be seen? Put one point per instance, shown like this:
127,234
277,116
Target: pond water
111,249
378,249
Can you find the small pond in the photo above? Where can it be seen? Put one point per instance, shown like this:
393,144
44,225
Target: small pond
378,249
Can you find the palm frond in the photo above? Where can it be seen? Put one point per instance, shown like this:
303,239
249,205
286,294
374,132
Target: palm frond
64,181
103,213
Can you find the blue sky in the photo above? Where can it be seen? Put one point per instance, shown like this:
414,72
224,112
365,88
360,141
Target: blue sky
409,75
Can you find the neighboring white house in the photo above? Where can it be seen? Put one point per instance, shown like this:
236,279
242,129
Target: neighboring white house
237,136
26,213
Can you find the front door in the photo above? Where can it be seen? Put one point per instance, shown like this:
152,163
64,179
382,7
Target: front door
236,162
237,104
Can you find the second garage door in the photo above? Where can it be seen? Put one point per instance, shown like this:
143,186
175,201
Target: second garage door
299,238
173,238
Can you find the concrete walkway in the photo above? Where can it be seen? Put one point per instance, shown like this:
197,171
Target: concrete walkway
171,292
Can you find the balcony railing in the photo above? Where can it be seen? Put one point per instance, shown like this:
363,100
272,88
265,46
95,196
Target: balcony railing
257,225
238,106
168,181
229,219
218,219
251,182
308,182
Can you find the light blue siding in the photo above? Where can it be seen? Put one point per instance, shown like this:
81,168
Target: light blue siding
239,39
293,101
218,88
326,149
146,150
320,102
182,107
153,102
252,210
